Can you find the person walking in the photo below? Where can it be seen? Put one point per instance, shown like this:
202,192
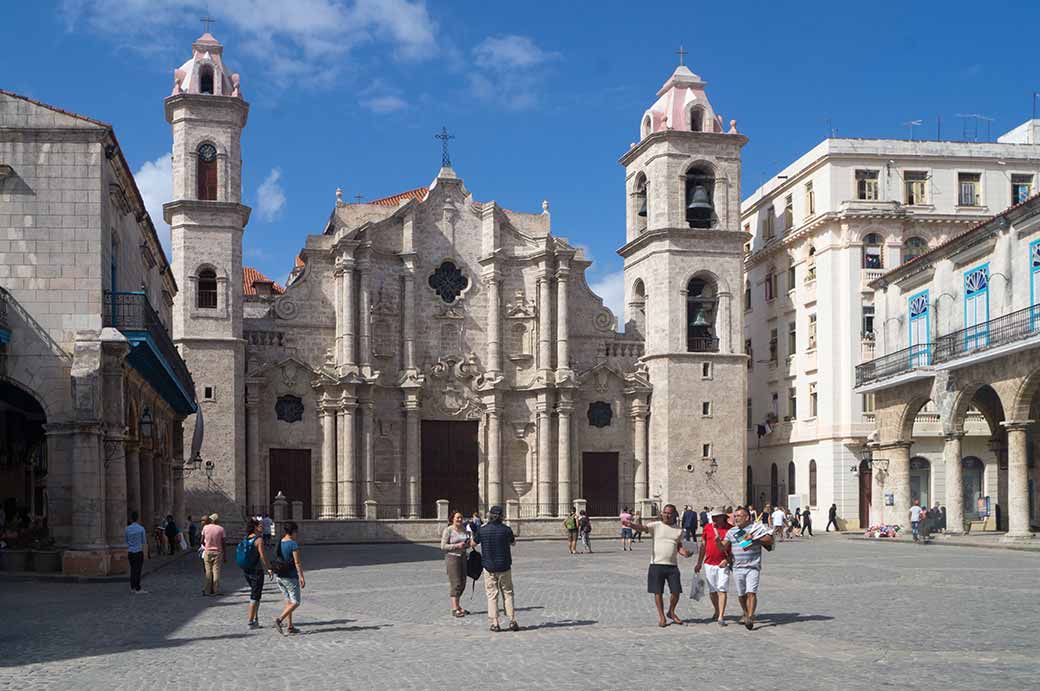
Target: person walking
454,543
778,518
474,524
915,519
159,534
267,526
136,542
584,530
942,517
496,541
689,523
171,530
193,533
806,523
253,562
636,535
666,543
289,576
213,555
626,531
743,545
716,568
832,518
570,524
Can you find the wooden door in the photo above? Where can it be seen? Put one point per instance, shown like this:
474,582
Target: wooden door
865,494
290,473
450,460
599,482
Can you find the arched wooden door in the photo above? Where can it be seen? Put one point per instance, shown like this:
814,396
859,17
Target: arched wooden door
866,476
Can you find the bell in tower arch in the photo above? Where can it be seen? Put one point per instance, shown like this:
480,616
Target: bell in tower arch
700,209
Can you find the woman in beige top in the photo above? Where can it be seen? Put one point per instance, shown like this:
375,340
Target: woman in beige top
454,543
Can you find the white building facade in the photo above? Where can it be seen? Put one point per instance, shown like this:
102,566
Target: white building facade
822,229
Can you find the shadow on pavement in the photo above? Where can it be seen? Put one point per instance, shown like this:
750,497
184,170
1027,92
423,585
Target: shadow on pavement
317,557
306,629
565,624
764,621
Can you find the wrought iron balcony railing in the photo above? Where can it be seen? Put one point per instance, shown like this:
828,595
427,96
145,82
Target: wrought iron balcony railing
890,365
133,313
702,345
1005,329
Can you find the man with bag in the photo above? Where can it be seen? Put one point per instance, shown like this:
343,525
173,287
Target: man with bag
251,559
496,541
744,543
716,567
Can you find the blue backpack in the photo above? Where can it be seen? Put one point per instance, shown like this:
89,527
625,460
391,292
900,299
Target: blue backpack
247,554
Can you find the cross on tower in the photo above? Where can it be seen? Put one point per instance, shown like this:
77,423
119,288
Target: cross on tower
681,53
358,197
207,21
444,137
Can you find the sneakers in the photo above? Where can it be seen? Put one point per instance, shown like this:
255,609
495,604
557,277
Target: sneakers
281,627
254,624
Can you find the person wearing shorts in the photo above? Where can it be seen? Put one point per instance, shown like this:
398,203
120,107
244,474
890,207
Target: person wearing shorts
743,544
626,531
716,567
291,581
666,543
570,524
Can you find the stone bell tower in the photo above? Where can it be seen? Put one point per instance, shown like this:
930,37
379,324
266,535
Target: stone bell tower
207,219
683,277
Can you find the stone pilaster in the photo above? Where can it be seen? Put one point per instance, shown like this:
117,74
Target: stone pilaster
114,350
339,304
545,466
254,474
133,476
413,467
364,313
494,453
147,487
954,483
563,352
347,313
494,325
347,459
544,324
368,461
641,480
564,408
1018,480
897,481
329,484
408,309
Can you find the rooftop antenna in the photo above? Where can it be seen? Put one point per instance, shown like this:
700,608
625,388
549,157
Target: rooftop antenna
974,118
831,132
911,124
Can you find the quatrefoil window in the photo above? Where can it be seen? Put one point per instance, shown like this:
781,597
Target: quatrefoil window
448,281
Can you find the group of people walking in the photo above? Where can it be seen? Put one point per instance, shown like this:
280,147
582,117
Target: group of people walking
494,560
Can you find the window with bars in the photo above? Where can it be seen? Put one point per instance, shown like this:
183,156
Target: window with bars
969,187
1021,188
915,184
867,185
206,297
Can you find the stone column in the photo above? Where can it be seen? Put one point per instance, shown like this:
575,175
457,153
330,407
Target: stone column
954,483
347,313
411,454
544,323
494,455
253,475
133,477
641,470
408,312
494,325
147,488
339,303
365,349
347,491
897,482
563,352
329,485
368,461
563,468
722,329
545,480
1018,480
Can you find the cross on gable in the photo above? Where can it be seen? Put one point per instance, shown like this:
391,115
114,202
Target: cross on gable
207,21
444,137
682,54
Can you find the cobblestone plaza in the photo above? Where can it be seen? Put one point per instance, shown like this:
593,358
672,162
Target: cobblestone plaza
376,616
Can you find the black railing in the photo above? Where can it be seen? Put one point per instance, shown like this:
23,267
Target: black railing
133,312
702,344
890,365
1007,328
4,297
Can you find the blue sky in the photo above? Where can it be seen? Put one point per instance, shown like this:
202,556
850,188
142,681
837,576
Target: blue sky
542,96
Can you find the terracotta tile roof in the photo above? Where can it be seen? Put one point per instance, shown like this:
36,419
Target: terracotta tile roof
250,277
418,194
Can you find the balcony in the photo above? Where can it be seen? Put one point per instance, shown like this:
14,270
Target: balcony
867,276
893,364
702,344
994,335
152,353
5,328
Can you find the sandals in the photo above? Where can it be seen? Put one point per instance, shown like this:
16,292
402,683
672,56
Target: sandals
495,628
458,613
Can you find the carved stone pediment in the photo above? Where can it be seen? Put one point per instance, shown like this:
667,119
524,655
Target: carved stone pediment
520,307
450,388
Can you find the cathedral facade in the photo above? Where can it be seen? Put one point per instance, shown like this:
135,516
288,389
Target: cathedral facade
430,346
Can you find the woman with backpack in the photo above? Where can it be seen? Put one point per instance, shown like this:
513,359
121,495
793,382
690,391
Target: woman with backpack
454,543
289,575
570,524
251,559
584,529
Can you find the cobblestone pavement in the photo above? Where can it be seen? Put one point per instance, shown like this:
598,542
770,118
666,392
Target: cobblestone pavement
834,614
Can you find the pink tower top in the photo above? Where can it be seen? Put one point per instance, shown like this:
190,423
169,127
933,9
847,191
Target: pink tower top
205,73
683,105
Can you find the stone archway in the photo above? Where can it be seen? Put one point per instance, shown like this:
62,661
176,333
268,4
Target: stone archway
23,456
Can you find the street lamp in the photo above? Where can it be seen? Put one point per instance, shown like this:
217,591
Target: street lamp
146,423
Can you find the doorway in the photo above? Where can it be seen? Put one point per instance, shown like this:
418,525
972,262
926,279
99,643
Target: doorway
972,470
450,466
290,474
920,481
599,482
866,482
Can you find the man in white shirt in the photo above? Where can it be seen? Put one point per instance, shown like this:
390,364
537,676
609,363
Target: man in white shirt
915,518
666,544
136,541
777,518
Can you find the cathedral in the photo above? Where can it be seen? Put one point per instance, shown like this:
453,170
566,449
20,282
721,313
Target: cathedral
430,346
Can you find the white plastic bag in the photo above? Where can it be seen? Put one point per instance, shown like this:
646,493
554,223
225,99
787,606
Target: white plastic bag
698,587
183,542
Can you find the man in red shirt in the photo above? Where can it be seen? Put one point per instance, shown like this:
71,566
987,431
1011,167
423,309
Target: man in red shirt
713,557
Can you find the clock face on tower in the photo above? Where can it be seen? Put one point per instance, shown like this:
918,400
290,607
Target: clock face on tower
207,152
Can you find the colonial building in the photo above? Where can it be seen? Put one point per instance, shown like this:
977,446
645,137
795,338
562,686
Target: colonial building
823,228
92,390
959,330
432,346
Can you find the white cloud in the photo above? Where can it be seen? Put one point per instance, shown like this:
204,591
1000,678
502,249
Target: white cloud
611,287
155,181
270,196
302,41
384,104
509,71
